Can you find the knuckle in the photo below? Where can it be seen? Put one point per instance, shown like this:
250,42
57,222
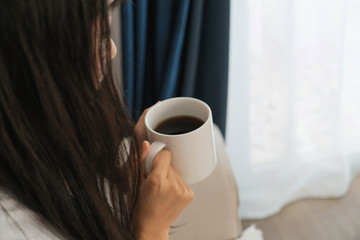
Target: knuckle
177,191
191,195
182,192
155,180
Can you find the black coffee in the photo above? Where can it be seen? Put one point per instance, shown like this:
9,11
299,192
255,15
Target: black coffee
179,125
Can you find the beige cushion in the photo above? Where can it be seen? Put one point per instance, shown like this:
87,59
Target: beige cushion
213,214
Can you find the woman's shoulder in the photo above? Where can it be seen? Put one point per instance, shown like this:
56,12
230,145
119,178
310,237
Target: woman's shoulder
18,222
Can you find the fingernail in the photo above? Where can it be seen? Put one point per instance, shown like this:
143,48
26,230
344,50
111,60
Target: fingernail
145,144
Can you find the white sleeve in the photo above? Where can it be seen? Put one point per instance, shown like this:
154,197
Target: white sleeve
18,222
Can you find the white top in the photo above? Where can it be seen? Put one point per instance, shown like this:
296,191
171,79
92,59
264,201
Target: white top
212,215
17,222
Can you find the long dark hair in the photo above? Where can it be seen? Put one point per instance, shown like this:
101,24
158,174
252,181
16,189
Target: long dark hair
68,148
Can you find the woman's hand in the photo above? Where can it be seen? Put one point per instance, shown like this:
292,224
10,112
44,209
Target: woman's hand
163,196
140,127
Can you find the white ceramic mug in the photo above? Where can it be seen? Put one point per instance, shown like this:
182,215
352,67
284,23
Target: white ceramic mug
193,153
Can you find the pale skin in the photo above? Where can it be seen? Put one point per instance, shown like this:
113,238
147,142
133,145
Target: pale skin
164,194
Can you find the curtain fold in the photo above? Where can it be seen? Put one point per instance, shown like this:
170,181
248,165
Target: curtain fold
294,125
176,48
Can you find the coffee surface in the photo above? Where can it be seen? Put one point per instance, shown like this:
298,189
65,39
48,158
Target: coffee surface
179,125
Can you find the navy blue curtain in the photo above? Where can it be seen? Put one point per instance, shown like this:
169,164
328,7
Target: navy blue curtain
176,48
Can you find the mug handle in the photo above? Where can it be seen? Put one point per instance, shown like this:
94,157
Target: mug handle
154,149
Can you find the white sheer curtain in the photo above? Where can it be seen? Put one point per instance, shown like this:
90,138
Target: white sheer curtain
293,126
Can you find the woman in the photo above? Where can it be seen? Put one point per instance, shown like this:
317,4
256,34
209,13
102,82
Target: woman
70,154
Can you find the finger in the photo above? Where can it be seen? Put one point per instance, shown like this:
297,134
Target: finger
188,192
145,148
142,117
141,121
161,164
179,179
140,128
172,175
